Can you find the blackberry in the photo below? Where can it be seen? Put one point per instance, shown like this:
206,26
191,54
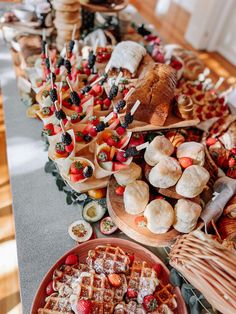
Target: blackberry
66,138
128,118
124,125
120,105
71,45
75,98
68,66
100,127
113,92
60,115
87,138
47,61
53,94
143,31
60,62
53,77
88,171
86,89
91,60
131,152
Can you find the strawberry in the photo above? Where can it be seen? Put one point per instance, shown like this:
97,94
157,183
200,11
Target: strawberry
185,162
112,140
106,103
79,137
71,259
149,303
232,162
78,109
75,117
57,71
131,259
69,148
131,293
93,132
98,89
176,64
98,102
87,71
76,167
117,166
125,92
157,268
84,307
141,221
233,151
76,177
49,126
120,130
93,120
136,139
231,172
211,141
49,288
115,280
120,190
120,156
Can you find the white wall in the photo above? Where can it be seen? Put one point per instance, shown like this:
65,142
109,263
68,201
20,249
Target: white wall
188,5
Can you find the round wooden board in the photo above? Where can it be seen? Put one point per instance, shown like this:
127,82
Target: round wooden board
104,8
126,222
129,247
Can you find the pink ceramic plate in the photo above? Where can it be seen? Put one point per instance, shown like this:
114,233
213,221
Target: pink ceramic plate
128,246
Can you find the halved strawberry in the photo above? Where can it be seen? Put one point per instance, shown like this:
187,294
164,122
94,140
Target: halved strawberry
120,156
131,293
211,141
120,130
71,259
76,167
69,148
49,288
115,280
118,166
112,140
158,269
98,89
76,177
84,307
49,126
79,136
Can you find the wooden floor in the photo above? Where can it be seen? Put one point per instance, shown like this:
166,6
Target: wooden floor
171,28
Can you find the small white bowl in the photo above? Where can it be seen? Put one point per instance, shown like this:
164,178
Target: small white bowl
24,13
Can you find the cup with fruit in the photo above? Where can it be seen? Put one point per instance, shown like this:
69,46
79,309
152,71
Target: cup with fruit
77,170
62,146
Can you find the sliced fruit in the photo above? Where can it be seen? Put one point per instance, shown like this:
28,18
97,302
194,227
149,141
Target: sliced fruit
120,190
158,269
107,226
84,307
49,288
71,259
69,148
115,280
98,193
76,167
76,177
120,156
107,165
131,293
185,162
118,166
93,211
80,231
141,221
211,141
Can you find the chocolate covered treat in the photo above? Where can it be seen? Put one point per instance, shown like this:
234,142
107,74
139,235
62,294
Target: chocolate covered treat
155,91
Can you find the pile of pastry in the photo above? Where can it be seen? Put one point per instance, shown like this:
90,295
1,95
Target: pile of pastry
175,172
109,281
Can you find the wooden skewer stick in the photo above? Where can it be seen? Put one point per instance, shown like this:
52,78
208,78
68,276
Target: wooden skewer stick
69,84
46,50
142,146
60,99
51,81
108,117
97,81
108,66
73,32
66,54
44,34
118,78
135,107
130,92
219,82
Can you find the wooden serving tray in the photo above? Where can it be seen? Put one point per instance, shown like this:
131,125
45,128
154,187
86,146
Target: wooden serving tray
129,247
126,222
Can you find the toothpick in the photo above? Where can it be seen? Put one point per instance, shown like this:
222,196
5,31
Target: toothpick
142,146
68,82
44,34
46,50
108,117
118,78
66,51
97,81
73,32
135,107
219,82
60,99
130,92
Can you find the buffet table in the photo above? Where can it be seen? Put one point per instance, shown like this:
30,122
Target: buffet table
40,210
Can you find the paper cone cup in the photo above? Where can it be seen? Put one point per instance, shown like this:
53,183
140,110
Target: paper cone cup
81,145
101,172
51,149
124,139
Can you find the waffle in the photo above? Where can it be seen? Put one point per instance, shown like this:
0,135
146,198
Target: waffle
131,308
56,305
108,260
65,276
142,279
165,296
98,289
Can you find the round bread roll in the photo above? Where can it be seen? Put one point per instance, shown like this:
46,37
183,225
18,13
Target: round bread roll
193,150
166,173
192,182
160,216
136,197
160,147
128,175
186,215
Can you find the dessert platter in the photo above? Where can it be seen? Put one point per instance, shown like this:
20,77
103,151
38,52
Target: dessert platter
145,142
115,277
